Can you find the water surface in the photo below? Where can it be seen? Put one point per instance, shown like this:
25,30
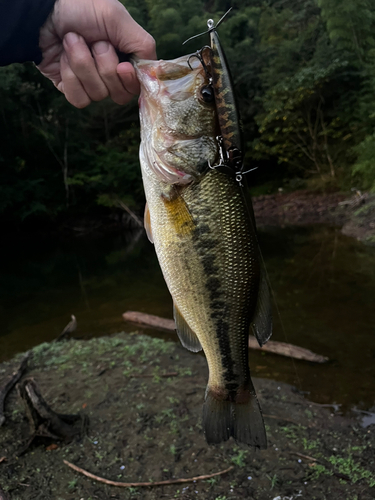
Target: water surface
323,282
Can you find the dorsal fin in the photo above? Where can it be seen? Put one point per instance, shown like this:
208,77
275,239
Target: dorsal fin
261,323
147,223
186,335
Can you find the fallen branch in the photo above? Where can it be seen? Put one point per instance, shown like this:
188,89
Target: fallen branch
282,348
70,328
6,388
136,485
288,350
44,422
149,320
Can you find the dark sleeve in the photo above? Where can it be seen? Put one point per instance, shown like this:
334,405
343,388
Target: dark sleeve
20,22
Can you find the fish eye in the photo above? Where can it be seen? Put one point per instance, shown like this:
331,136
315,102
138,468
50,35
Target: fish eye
207,93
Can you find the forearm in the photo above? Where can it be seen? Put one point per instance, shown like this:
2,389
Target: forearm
20,23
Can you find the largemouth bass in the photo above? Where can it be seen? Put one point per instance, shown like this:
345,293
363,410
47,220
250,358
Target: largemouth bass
204,238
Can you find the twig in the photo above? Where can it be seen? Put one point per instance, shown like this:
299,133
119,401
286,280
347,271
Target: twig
306,457
132,214
136,485
10,384
70,328
2,459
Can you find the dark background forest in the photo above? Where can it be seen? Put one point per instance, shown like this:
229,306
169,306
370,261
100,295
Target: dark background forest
304,75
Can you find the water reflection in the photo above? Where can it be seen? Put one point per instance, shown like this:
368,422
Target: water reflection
324,284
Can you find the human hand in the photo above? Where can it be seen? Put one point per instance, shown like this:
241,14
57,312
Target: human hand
78,43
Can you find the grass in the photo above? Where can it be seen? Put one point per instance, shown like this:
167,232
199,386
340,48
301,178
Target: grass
310,445
67,356
239,459
349,467
274,481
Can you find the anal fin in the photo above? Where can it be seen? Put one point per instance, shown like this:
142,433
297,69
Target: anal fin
186,335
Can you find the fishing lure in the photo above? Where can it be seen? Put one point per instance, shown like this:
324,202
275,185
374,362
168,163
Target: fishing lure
217,69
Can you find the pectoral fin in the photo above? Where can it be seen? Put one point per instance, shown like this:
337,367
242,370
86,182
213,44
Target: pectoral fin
261,323
147,223
178,212
186,335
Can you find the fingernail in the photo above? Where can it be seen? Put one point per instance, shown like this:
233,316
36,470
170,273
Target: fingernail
100,48
71,39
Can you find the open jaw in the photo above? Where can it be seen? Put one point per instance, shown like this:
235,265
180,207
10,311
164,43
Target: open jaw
177,129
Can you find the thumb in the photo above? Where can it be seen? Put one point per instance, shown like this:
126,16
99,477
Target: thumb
128,77
129,37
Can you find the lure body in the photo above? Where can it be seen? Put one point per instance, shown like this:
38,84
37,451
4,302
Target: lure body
226,106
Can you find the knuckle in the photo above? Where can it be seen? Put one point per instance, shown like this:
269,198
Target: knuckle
81,60
107,72
100,95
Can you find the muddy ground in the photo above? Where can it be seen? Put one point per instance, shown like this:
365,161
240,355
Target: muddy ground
146,427
353,212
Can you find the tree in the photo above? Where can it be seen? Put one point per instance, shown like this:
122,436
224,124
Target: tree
351,26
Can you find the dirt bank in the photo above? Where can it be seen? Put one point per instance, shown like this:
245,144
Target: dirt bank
354,213
144,426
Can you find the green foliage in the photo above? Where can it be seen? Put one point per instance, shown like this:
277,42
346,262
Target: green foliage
349,467
351,26
239,458
304,76
296,125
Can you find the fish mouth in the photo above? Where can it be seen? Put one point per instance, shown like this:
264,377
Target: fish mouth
175,126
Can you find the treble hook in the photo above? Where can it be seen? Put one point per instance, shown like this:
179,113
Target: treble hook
199,56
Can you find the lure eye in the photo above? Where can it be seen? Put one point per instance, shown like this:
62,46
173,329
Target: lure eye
207,94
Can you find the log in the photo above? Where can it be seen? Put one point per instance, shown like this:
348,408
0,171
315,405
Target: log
281,348
8,386
288,350
149,320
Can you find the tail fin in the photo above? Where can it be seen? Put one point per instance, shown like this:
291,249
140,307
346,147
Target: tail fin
223,418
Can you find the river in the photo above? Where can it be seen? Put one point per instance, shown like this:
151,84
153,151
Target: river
323,284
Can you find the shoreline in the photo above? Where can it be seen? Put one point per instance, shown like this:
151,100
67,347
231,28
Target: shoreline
146,426
354,213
